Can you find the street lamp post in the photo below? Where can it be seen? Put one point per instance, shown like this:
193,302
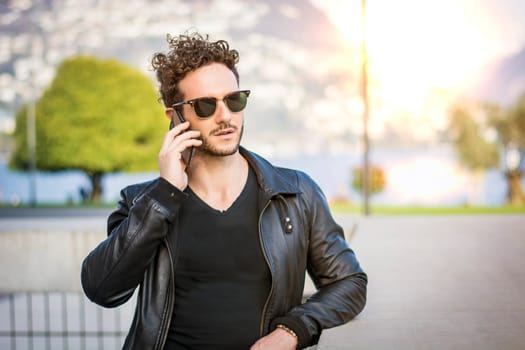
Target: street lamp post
31,145
36,50
366,114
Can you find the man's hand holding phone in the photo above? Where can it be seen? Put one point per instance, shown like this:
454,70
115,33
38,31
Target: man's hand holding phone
171,163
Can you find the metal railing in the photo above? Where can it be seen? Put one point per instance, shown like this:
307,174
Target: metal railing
60,321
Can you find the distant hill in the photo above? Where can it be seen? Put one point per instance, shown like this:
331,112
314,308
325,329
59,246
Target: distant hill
503,81
290,54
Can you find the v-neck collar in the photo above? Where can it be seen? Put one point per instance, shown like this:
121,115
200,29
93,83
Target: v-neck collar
250,182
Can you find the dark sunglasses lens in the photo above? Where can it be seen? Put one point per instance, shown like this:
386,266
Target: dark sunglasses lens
237,101
204,107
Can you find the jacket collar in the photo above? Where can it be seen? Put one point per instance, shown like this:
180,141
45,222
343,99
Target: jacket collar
272,180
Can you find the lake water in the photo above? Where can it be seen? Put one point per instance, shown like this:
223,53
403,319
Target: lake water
414,177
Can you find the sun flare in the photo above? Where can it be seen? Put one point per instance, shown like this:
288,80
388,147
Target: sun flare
416,47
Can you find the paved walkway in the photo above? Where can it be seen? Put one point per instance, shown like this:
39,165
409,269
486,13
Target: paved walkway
442,282
452,282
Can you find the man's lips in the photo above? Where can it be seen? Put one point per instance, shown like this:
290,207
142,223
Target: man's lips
223,132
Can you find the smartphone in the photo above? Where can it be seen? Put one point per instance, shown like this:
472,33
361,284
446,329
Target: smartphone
187,154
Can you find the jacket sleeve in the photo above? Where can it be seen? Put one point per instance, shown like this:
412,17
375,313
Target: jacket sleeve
113,269
334,269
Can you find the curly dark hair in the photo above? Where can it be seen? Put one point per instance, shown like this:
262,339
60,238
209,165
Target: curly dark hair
188,52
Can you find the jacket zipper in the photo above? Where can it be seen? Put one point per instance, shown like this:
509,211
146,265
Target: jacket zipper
164,324
263,248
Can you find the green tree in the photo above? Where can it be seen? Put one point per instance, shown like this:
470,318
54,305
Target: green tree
474,151
510,126
479,133
97,116
376,182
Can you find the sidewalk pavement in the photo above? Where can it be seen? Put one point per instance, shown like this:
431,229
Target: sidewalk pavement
435,282
443,282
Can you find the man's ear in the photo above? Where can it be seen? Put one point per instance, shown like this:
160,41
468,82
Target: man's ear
169,112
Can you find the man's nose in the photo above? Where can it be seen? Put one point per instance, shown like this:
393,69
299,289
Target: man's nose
222,114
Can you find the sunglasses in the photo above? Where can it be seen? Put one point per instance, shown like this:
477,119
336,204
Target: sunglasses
205,107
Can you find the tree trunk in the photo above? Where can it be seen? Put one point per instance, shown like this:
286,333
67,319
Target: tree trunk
515,190
96,186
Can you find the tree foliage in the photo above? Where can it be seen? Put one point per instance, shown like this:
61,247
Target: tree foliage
469,125
474,151
509,123
97,116
376,182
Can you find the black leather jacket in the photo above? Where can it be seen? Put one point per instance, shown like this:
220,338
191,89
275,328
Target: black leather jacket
297,233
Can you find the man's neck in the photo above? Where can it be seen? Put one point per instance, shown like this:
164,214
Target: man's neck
218,181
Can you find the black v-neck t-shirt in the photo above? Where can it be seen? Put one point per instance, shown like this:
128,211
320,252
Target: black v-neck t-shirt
221,278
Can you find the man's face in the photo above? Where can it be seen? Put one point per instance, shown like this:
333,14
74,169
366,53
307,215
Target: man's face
221,133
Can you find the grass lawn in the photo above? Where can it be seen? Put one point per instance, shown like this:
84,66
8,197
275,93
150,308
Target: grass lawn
421,210
340,207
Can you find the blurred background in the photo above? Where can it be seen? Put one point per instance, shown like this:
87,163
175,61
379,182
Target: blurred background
446,81
432,94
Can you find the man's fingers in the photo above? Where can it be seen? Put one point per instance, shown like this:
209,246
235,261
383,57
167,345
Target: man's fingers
174,137
170,135
185,140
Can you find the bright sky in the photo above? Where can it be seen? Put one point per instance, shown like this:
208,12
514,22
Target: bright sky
415,46
421,54
443,38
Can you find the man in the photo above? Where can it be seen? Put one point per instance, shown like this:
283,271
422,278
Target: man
218,245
